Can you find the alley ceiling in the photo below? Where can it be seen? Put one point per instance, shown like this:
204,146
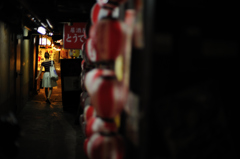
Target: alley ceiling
32,13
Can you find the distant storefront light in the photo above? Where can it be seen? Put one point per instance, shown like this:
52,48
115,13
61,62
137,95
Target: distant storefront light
41,30
44,41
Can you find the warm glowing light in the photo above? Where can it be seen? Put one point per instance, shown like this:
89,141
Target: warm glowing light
44,41
59,41
56,49
41,30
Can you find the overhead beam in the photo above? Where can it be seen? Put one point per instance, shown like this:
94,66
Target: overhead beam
38,21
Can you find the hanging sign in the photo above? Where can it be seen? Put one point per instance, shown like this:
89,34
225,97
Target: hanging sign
73,36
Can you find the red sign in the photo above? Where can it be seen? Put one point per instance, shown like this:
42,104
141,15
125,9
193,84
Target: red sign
73,36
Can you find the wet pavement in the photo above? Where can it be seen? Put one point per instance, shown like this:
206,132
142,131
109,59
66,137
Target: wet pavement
48,132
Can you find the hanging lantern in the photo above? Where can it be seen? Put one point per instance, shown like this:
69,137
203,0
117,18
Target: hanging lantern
90,51
105,147
92,75
108,39
89,112
108,96
97,13
98,125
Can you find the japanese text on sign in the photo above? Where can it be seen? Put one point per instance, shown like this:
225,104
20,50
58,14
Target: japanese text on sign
74,36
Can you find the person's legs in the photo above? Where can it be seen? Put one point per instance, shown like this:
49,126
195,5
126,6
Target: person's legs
46,92
49,95
50,92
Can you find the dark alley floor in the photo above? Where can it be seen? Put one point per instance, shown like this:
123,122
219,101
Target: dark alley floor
48,132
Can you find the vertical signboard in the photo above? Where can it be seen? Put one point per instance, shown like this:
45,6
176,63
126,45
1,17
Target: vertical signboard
73,35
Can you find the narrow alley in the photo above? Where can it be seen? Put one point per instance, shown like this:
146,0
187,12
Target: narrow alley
48,132
138,79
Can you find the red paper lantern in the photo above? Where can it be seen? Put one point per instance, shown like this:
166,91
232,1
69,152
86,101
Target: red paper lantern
108,95
98,125
108,39
90,51
97,13
105,147
92,75
89,112
108,98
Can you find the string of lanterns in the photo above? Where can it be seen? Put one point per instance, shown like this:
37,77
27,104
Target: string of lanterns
104,95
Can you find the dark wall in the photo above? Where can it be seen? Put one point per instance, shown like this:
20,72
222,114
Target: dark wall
7,68
188,81
8,87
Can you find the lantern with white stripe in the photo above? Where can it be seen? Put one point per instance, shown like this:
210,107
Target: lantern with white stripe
108,39
99,125
101,146
90,51
108,95
89,112
92,75
97,13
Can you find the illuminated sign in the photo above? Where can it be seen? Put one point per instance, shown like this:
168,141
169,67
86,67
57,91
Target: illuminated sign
44,41
73,36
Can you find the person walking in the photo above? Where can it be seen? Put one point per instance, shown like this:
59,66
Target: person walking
47,82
